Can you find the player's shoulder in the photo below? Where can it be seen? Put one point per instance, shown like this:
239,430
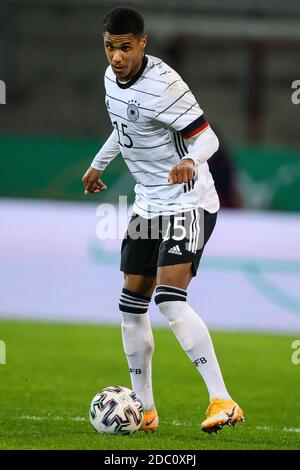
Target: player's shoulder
164,76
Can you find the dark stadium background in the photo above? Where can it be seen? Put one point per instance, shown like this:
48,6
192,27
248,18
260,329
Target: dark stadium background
239,58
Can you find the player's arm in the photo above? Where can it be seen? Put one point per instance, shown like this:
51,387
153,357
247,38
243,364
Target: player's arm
179,109
204,143
91,179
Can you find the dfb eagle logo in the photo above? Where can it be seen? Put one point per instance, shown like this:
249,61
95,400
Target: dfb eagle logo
133,111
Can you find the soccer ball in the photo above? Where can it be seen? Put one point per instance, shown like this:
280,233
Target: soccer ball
116,410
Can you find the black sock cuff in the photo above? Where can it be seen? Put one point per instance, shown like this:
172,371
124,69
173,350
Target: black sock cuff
164,293
130,302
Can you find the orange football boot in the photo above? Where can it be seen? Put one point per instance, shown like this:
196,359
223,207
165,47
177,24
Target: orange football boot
150,421
222,412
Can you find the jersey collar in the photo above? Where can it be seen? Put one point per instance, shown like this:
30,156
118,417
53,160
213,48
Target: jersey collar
135,77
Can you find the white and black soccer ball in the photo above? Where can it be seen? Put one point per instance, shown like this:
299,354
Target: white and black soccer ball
116,410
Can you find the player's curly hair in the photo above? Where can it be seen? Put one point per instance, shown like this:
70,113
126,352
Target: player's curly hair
123,20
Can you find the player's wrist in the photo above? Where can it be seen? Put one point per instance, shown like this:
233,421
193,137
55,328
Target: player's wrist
190,159
95,167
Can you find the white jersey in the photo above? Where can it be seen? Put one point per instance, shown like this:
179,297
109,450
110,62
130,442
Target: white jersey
155,114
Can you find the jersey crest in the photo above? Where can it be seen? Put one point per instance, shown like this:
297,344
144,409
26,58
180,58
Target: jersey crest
133,110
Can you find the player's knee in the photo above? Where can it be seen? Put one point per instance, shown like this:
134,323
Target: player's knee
142,285
170,301
171,275
130,302
165,296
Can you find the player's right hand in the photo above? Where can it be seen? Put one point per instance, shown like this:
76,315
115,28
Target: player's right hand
91,181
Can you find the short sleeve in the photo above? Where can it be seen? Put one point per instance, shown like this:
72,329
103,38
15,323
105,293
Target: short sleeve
178,107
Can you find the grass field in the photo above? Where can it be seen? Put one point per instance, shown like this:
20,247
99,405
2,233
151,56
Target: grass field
53,371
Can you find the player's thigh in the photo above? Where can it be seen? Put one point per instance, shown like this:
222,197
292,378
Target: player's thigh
177,275
140,248
182,247
139,284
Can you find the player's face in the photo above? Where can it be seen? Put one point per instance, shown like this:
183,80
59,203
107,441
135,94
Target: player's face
125,53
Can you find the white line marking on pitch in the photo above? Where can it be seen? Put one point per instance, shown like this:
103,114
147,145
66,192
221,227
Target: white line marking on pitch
54,418
291,429
173,423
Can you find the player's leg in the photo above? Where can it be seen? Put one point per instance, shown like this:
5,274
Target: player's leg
189,328
138,262
138,341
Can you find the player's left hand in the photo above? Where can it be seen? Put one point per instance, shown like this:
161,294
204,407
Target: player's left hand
182,172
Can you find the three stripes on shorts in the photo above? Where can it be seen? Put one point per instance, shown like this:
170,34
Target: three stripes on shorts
195,231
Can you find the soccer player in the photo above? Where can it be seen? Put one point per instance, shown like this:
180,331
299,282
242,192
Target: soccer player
165,140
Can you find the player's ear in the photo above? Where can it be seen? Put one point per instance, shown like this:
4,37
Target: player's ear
144,41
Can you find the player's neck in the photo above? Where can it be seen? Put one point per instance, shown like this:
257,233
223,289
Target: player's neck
135,75
135,71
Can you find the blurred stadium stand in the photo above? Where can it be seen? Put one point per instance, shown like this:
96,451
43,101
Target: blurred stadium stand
239,58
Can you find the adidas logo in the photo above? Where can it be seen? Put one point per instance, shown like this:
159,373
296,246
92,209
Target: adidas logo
175,250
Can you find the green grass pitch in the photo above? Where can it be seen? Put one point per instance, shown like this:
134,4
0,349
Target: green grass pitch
53,371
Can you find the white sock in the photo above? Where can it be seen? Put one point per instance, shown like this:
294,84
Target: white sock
138,345
193,336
